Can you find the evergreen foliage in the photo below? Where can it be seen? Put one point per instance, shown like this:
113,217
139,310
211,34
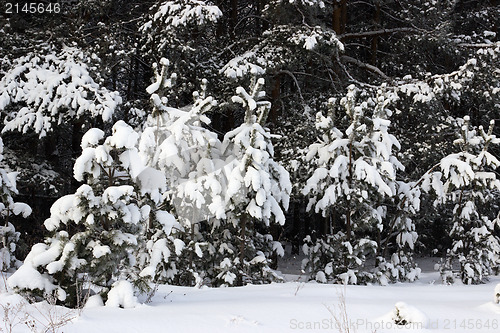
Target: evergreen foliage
97,233
467,182
8,209
256,187
52,89
354,186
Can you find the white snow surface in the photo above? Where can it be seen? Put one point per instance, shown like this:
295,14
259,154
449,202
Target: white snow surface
293,306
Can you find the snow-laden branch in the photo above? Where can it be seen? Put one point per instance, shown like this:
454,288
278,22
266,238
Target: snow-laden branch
50,89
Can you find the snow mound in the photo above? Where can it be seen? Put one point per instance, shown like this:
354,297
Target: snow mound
122,295
27,276
405,314
94,301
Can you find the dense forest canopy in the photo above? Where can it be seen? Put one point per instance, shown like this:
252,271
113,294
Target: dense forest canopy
203,136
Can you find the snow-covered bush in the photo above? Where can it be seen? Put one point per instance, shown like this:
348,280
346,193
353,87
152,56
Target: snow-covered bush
354,186
121,295
9,208
405,314
400,267
467,181
45,90
98,234
325,256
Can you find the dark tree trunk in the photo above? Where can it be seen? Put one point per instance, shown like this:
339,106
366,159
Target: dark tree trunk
275,97
376,19
243,231
233,19
339,18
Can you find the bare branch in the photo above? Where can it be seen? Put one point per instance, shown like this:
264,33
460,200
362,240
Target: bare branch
363,65
378,33
294,80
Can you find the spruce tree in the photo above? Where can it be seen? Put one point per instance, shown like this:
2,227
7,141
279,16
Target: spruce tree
42,91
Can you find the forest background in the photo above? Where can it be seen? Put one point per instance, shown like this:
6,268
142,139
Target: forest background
381,111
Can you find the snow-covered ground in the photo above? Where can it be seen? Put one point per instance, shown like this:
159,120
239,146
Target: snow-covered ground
294,306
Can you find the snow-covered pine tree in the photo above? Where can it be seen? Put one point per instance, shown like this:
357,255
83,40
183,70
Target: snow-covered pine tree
9,208
175,142
353,184
468,182
97,232
256,186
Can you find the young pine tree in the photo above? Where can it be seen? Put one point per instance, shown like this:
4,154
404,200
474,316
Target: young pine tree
256,186
176,142
353,186
97,233
468,183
